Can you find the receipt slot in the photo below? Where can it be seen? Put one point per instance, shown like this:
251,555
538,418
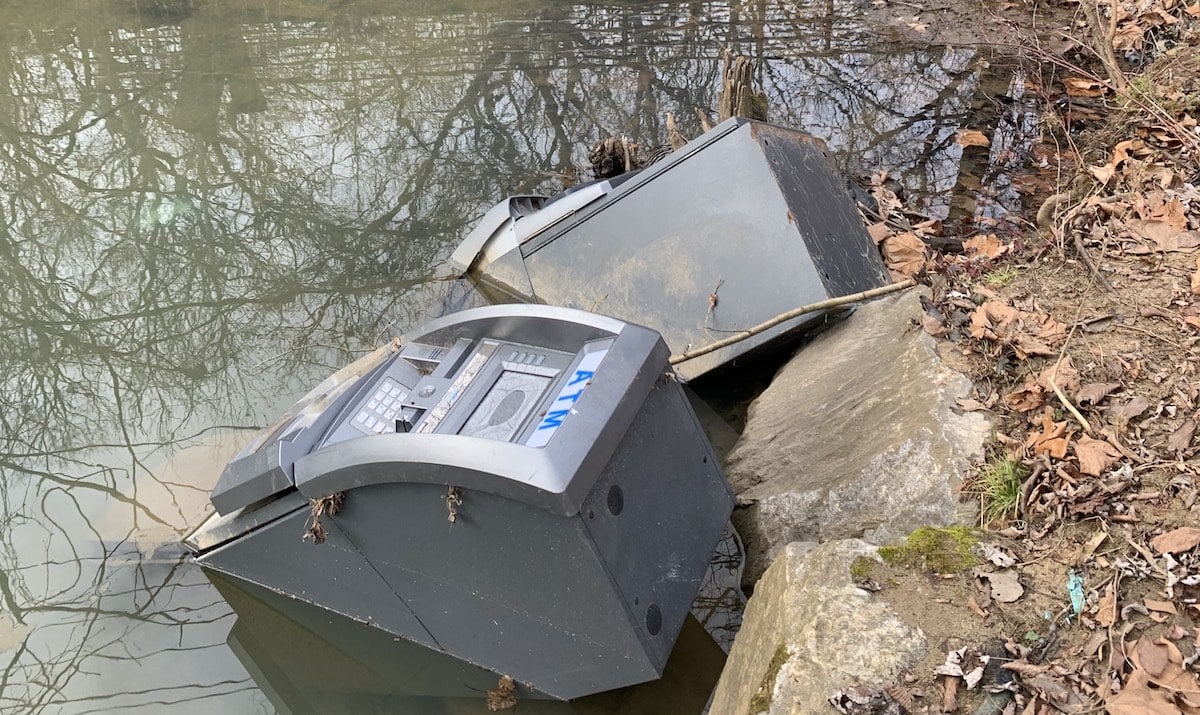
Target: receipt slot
523,487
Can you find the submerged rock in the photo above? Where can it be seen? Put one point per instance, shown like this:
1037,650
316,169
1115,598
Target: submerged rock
859,435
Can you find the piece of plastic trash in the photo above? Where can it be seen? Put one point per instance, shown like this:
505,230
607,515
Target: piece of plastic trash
1075,591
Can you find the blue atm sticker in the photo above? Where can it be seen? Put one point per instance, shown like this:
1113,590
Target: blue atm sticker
564,404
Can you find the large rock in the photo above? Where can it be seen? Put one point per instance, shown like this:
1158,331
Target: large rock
858,435
823,633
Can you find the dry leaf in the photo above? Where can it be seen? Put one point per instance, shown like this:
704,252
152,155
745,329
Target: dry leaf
1134,407
503,696
1176,541
1094,392
1106,607
1196,277
1160,606
1138,698
985,246
1053,438
972,137
1095,455
1027,398
904,254
1163,237
970,404
1006,588
1081,87
1151,657
1063,374
878,232
1181,438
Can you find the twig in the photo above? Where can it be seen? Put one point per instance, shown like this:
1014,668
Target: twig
796,312
712,302
1152,334
1145,554
1111,438
1082,251
1062,397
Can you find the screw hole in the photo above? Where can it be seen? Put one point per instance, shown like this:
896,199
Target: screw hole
653,619
616,500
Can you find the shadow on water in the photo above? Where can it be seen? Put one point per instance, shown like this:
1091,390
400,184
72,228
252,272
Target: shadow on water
207,210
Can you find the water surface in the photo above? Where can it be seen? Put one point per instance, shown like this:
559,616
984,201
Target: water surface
205,209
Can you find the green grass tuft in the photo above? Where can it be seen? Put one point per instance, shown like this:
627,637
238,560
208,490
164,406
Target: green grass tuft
999,489
1002,276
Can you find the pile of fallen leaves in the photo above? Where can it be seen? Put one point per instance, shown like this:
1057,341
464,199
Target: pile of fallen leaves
1082,339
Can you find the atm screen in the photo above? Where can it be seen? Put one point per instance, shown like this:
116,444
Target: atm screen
504,408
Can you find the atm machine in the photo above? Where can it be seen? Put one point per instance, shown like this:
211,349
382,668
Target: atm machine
743,223
522,487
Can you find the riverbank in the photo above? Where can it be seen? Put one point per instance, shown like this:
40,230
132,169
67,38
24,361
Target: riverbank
1079,325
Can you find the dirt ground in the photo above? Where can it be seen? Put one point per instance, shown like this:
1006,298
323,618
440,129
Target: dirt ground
1079,322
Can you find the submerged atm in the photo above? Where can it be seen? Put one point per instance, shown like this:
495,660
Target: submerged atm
522,487
743,223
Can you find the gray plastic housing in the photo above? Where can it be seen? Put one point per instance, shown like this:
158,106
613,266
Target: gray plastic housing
752,212
572,559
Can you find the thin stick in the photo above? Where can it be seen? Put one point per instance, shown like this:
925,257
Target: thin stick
1084,256
795,312
1087,427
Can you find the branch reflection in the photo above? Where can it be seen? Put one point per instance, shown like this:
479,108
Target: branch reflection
207,209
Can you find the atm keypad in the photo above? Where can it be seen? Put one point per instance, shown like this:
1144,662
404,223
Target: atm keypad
378,414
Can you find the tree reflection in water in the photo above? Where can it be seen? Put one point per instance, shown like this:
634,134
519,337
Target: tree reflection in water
205,210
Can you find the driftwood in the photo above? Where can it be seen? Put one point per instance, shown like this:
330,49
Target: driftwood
738,96
784,317
616,155
612,157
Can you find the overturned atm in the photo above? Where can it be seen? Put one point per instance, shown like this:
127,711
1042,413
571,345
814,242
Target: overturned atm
745,222
522,487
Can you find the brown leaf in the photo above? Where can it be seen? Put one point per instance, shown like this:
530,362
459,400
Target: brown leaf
1162,237
1006,588
1053,438
985,246
1176,541
972,137
993,319
1167,210
1151,657
933,325
1160,606
878,232
1196,277
1095,455
1094,392
1106,607
1063,374
1134,407
1129,36
970,404
1138,698
1026,346
1026,398
1181,438
1081,87
904,254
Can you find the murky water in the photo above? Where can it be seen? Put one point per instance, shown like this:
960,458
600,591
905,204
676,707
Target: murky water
205,210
